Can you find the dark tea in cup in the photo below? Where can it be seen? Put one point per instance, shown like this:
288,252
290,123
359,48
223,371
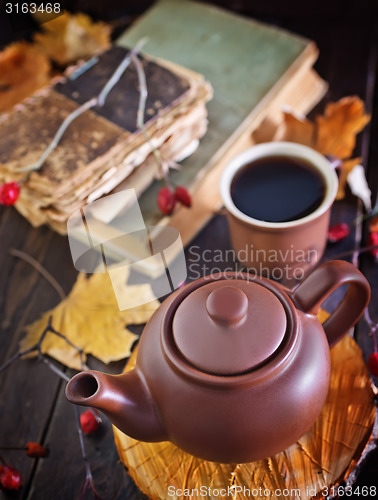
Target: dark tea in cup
278,189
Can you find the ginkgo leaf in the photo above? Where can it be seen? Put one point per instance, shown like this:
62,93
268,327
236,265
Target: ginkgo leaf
333,133
70,37
90,318
23,70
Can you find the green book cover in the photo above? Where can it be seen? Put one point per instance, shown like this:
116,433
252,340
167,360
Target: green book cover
245,61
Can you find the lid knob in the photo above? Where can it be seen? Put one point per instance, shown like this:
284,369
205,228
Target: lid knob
202,323
227,304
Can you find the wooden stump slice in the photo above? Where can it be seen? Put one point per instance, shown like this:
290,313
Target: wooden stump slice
320,459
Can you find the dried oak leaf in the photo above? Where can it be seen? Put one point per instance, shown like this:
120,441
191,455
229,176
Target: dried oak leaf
70,37
296,128
334,133
23,70
90,318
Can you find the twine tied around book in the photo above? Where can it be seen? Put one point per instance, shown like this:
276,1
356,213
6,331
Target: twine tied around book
99,100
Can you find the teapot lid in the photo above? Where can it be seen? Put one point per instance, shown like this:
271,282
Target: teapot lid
229,327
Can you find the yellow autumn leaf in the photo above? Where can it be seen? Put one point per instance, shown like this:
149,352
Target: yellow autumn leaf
90,318
70,37
322,315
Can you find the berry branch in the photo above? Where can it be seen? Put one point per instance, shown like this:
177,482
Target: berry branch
372,361
12,478
368,249
37,347
88,472
34,450
337,233
34,263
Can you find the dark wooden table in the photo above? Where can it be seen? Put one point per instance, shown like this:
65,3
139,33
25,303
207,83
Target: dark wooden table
32,402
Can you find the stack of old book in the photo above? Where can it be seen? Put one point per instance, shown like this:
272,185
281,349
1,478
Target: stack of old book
103,146
253,68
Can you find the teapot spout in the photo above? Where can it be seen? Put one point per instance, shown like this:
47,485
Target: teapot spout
125,400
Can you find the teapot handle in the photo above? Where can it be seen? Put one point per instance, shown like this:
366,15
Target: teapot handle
324,280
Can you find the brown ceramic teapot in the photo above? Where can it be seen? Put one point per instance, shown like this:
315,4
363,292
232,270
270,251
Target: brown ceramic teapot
231,368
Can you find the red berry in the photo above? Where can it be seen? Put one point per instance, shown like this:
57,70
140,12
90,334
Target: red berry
35,450
338,232
89,422
10,478
182,195
166,200
9,193
373,363
371,241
